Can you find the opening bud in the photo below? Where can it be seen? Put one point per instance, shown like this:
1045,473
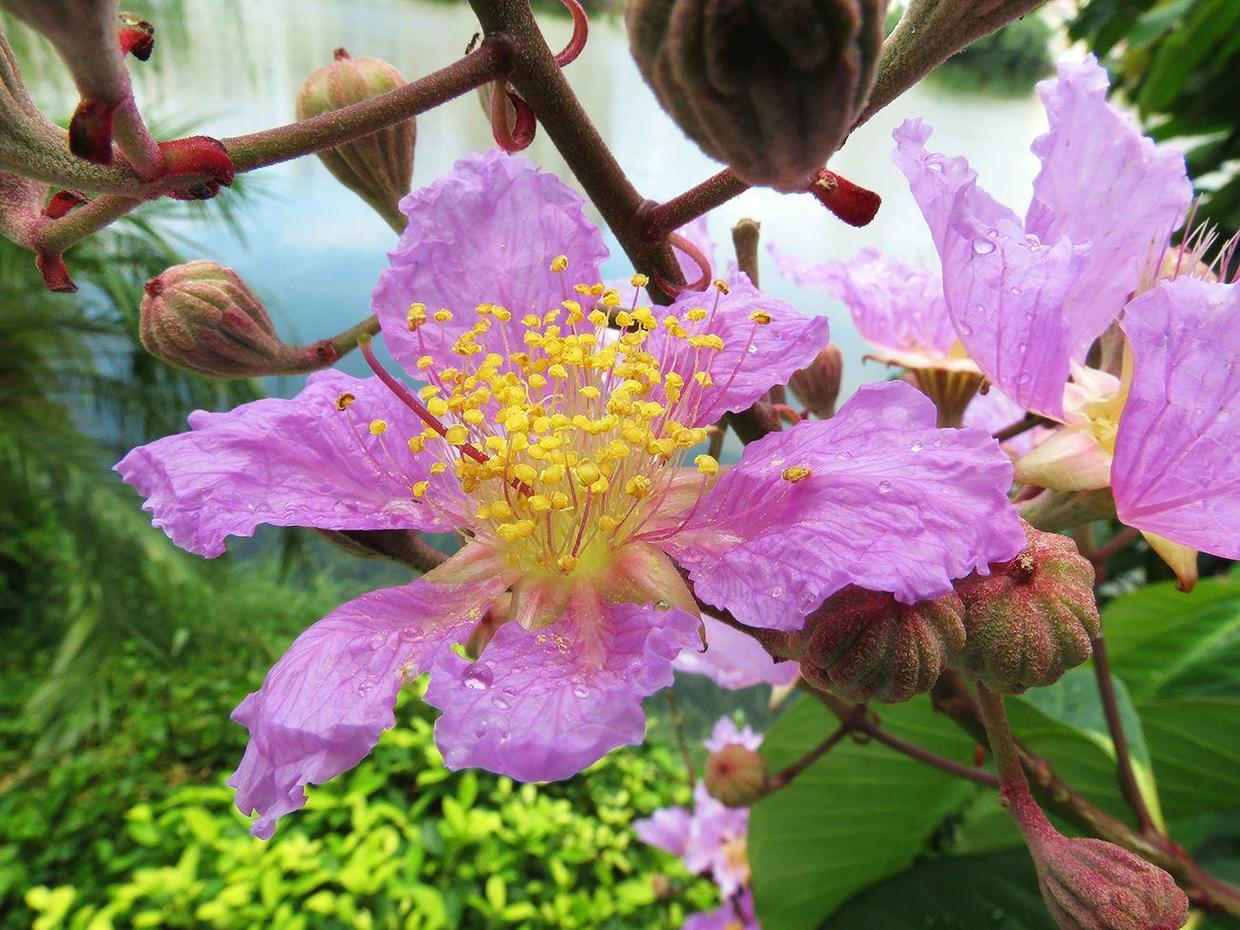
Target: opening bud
865,645
736,776
770,88
1032,618
818,386
378,167
202,317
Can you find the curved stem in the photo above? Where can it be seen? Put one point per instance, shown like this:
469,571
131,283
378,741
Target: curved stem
659,219
1126,775
784,777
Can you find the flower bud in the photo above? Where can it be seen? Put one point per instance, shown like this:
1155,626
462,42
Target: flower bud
865,645
201,317
735,776
1091,884
1032,618
378,167
770,88
818,386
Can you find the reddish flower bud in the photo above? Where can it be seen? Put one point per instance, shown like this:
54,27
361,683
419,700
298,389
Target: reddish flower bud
818,386
865,645
378,167
201,317
770,88
735,776
198,155
1091,884
1032,618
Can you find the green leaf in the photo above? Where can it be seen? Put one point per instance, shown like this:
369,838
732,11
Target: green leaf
859,814
1166,644
989,892
1196,753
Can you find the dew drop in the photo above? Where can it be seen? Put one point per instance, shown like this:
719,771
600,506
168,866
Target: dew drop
1014,290
777,593
916,446
966,329
982,246
581,691
501,703
478,677
843,456
365,686
884,487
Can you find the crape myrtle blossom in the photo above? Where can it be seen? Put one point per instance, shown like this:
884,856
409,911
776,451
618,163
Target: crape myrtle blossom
553,445
711,839
1028,300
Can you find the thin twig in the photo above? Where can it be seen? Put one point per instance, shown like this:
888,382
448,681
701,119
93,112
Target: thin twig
678,721
1023,425
659,219
1126,775
785,777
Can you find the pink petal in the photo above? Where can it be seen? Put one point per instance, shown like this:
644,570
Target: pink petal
487,232
893,305
754,358
299,462
1005,290
892,504
725,732
543,706
323,705
994,411
666,829
1103,183
1177,470
713,836
735,914
733,660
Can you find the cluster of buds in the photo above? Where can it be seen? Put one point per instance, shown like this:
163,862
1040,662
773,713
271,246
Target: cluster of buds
202,317
377,167
772,89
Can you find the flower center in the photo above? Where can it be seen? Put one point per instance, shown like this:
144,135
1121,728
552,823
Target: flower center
568,442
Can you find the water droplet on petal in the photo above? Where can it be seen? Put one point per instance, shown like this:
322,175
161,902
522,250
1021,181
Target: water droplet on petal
884,487
478,677
982,246
581,691
365,686
843,456
916,446
501,703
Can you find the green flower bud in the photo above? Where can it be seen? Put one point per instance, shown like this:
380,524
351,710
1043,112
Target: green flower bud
1030,619
378,167
771,88
864,645
818,385
735,776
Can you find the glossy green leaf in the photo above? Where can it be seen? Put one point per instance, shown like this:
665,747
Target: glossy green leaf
1195,745
858,815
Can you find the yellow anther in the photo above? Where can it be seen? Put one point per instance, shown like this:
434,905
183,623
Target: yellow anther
567,562
531,320
761,317
607,523
377,427
610,298
598,318
442,316
438,468
796,473
473,416
639,280
624,319
600,486
552,474
587,473
559,500
557,371
559,263
416,315
707,341
524,473
696,313
638,486
590,392
345,401
416,444
503,314
542,424
425,362
496,444
511,532
706,464
437,405
420,489
721,286
703,378
539,503
457,435
596,289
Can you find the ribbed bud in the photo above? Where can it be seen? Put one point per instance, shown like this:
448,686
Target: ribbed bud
201,317
378,167
735,776
865,645
1031,619
1091,884
770,88
818,386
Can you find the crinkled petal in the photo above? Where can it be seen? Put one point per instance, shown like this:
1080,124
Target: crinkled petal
299,462
666,829
1177,469
733,660
754,357
725,732
1005,290
544,705
734,914
323,705
487,232
894,306
1103,183
994,411
892,504
716,841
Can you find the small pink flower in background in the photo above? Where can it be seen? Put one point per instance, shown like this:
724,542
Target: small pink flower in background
1028,300
553,445
711,839
733,660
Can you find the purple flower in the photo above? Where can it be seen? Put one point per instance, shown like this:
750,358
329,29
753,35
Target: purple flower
733,660
553,444
1028,297
711,839
734,914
